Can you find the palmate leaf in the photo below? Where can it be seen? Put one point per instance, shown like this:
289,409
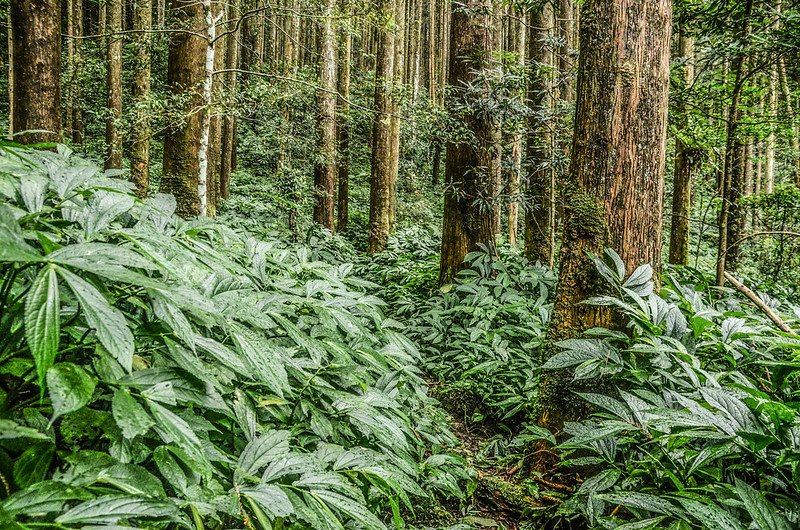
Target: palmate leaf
109,323
42,322
70,388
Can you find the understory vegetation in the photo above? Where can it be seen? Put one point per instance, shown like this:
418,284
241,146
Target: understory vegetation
161,373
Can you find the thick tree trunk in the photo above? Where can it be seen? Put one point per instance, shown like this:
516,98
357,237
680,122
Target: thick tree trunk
617,168
36,52
343,129
185,75
687,161
540,177
472,167
381,177
325,167
113,84
140,145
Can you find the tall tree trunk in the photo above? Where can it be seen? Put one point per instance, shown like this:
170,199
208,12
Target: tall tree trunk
343,127
399,81
516,46
381,177
687,161
733,172
229,124
769,176
472,167
205,173
113,84
141,131
186,72
540,177
617,169
36,52
566,27
10,43
325,167
791,116
161,13
77,72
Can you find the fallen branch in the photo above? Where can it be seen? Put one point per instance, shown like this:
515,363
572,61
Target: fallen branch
783,326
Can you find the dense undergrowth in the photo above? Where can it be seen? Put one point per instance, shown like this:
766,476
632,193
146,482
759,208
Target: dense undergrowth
162,373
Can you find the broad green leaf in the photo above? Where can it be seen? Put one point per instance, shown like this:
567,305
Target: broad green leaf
132,479
262,451
639,501
644,524
764,513
70,388
42,498
711,516
600,482
129,414
109,323
42,321
111,508
271,498
10,430
33,464
350,508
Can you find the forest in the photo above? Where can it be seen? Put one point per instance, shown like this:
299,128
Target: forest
400,264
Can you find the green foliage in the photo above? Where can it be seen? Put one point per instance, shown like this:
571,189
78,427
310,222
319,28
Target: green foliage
480,336
165,373
698,426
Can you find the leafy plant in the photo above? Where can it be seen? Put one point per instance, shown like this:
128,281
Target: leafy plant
166,373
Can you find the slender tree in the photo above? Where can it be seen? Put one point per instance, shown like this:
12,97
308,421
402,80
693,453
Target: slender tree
36,58
229,125
540,210
687,162
141,132
472,166
113,84
325,167
343,124
617,169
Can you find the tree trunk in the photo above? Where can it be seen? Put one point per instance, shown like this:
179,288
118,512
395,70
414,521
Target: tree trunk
399,81
36,53
615,191
472,167
185,74
516,46
687,161
140,145
343,128
769,176
229,124
113,84
325,167
733,173
381,176
566,26
540,210
77,72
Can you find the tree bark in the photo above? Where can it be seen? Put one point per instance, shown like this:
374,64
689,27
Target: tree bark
769,176
540,177
472,166
381,176
185,75
113,84
77,73
616,173
36,52
343,128
733,172
141,132
231,80
399,81
687,162
325,167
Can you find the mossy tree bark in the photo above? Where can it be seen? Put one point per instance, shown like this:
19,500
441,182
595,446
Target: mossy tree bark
325,167
185,74
472,164
36,53
141,132
617,169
